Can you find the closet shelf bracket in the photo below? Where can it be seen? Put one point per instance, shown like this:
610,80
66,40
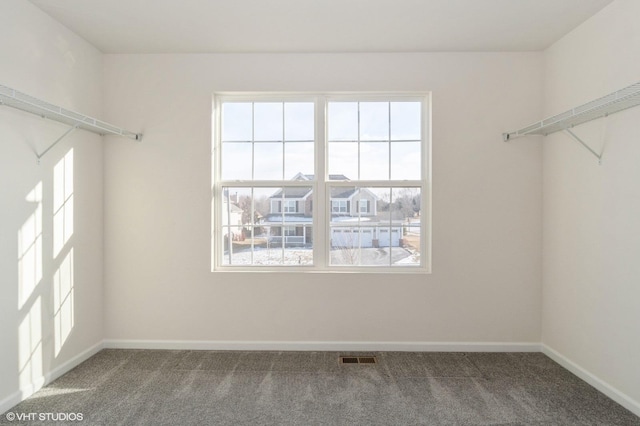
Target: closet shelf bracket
584,144
64,135
15,99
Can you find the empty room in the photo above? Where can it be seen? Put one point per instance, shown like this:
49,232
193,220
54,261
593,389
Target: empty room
389,212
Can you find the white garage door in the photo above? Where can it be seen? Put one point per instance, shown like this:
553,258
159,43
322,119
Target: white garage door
383,237
351,237
339,238
366,237
386,238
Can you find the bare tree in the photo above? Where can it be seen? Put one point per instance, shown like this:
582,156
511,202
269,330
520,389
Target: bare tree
349,250
261,207
406,202
244,202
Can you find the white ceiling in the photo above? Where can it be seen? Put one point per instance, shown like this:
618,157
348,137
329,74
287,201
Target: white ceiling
211,26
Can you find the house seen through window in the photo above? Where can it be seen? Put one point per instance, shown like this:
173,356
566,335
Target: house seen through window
321,182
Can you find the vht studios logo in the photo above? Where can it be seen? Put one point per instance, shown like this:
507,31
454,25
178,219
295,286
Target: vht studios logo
51,417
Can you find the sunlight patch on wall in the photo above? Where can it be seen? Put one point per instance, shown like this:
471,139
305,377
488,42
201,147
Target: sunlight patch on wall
30,249
30,346
62,202
63,301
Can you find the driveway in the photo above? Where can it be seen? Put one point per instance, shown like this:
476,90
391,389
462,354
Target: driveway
369,256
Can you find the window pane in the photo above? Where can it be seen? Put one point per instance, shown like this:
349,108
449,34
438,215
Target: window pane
343,159
267,160
342,206
374,160
298,245
345,246
236,161
268,121
372,253
236,213
299,121
353,226
288,227
406,120
298,158
405,202
343,121
405,160
366,204
405,226
243,213
374,121
236,121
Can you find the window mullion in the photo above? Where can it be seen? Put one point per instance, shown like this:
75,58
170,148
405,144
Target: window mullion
253,224
229,239
359,141
389,135
320,219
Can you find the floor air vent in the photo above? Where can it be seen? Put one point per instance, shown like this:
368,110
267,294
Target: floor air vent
358,360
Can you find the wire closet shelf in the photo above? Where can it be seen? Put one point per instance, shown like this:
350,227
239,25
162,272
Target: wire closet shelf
15,99
617,101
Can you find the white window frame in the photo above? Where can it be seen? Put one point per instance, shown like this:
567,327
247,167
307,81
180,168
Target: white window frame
322,206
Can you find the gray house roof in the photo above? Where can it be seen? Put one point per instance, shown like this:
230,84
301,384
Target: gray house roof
301,176
301,192
342,192
294,192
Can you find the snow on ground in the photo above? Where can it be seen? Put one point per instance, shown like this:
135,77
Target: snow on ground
304,256
272,256
412,259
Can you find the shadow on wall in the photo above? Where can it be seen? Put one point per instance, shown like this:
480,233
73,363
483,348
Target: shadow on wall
46,275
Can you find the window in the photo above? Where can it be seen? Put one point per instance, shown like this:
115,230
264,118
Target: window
321,182
339,206
290,206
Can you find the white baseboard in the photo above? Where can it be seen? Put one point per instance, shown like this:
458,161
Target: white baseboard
26,391
613,393
324,346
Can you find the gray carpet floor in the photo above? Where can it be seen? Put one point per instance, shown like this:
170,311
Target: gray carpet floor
144,387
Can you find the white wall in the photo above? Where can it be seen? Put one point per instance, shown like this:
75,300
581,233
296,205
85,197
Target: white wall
486,280
591,315
42,58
